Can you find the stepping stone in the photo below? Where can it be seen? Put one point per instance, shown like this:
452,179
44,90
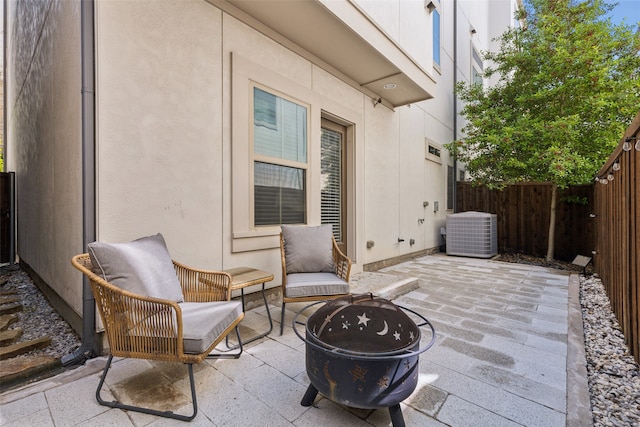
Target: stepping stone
7,320
23,368
23,347
10,308
7,299
9,336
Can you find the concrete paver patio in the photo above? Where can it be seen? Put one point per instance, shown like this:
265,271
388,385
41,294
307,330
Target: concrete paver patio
508,353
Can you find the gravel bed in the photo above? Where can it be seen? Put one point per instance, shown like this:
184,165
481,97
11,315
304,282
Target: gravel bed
613,374
38,318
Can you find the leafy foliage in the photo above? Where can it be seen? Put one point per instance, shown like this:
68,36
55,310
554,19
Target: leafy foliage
568,85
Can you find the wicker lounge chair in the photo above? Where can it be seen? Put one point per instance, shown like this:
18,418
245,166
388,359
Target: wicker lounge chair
313,267
149,327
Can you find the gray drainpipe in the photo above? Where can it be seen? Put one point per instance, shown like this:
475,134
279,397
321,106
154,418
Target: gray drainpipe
90,345
455,100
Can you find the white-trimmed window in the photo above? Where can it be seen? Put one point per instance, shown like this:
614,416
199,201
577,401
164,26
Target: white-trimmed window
281,173
433,6
477,67
435,17
433,151
280,159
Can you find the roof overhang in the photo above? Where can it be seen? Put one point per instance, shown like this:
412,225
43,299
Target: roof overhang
339,37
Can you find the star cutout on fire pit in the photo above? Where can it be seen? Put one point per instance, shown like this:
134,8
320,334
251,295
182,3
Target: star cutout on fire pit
396,334
357,373
346,324
383,382
363,320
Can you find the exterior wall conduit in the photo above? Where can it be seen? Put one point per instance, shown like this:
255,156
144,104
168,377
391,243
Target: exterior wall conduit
90,345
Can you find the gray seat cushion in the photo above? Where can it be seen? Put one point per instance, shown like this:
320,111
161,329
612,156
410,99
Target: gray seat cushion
142,267
308,249
203,322
313,284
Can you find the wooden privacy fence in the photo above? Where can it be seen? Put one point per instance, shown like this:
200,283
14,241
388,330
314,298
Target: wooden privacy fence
523,217
617,258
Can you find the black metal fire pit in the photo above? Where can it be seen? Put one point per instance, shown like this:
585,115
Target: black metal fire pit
362,351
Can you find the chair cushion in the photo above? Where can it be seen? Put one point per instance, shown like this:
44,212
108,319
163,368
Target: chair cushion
203,322
142,266
308,249
313,284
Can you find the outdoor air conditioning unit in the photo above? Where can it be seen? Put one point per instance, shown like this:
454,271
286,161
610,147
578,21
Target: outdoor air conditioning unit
472,234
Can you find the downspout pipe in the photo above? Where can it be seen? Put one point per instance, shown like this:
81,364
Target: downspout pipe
455,102
90,346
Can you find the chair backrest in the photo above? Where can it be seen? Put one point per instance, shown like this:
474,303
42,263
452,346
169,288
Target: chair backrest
313,247
125,314
308,249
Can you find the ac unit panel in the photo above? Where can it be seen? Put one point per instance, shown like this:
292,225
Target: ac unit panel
472,234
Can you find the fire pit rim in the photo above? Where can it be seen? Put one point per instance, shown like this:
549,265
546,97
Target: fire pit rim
359,355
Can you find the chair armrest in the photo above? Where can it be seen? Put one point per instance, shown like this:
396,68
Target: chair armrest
203,285
135,325
283,261
343,263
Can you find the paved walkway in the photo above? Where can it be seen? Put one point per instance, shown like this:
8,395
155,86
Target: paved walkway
509,352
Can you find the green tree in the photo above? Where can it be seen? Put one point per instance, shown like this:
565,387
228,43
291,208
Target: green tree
567,86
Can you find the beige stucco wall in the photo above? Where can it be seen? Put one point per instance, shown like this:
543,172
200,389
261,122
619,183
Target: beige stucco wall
169,142
407,23
159,125
44,138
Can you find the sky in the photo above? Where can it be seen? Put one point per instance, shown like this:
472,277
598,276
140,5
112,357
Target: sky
627,10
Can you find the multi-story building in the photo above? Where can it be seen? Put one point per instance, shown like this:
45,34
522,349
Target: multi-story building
215,121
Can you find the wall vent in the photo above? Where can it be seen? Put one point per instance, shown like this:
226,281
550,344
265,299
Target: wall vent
472,234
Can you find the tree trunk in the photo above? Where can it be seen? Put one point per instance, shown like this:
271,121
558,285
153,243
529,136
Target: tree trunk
552,224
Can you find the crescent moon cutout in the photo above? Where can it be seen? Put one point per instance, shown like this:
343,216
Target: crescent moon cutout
384,330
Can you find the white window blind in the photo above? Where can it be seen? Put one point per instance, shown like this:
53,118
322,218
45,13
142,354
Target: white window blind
331,184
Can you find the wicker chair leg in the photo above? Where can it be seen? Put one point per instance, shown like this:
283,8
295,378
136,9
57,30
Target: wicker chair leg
282,319
165,414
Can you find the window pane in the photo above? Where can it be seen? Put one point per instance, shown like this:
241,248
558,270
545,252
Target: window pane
279,194
331,181
436,36
280,127
264,109
476,77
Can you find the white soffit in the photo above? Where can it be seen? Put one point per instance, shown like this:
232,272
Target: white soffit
339,34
